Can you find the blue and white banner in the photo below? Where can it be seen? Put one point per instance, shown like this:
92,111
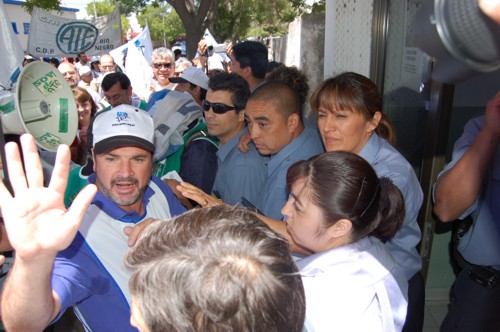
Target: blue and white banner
56,36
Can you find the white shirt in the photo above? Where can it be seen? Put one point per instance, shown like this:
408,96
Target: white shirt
356,287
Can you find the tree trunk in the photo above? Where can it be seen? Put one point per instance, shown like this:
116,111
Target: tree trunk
194,19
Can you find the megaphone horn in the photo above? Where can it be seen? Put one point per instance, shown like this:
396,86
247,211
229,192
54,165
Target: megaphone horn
43,106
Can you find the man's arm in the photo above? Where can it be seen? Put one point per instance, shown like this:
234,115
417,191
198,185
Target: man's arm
458,188
38,226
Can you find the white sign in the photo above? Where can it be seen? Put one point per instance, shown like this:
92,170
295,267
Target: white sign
56,36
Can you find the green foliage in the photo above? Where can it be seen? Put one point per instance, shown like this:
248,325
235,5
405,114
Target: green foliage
240,19
106,7
163,22
47,5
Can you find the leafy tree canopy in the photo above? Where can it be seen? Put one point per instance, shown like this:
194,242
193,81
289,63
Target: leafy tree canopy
227,19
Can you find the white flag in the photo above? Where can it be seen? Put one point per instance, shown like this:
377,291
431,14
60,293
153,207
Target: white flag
56,36
10,48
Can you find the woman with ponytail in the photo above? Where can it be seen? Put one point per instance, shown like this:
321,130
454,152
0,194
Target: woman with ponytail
340,211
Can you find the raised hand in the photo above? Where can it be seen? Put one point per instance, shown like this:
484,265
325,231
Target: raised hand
37,222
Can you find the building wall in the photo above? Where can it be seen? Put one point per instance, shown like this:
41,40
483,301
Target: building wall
348,36
21,19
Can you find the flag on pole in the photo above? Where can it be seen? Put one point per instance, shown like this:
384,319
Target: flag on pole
57,36
10,48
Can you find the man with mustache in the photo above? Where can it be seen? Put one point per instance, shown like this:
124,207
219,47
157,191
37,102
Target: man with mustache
88,274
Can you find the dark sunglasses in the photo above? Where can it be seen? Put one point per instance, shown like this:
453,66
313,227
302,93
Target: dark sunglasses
217,108
162,64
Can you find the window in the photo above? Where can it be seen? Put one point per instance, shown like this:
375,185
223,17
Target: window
26,26
14,27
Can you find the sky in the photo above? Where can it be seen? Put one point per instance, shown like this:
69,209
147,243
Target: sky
78,4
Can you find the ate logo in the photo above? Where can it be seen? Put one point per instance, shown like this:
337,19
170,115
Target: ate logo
76,37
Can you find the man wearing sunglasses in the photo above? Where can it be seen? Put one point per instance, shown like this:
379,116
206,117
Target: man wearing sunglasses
163,66
239,174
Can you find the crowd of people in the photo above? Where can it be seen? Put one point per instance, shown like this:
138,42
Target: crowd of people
292,225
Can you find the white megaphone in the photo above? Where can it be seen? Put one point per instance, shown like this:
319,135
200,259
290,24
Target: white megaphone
43,106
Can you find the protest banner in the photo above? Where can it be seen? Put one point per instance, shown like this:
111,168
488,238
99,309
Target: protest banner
56,36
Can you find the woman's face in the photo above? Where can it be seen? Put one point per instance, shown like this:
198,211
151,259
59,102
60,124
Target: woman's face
304,219
84,111
345,130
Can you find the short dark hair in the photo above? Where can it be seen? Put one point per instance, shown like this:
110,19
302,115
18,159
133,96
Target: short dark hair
293,77
284,97
345,186
110,79
215,269
253,54
233,83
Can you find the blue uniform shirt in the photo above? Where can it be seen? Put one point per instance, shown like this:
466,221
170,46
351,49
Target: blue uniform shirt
239,174
388,162
89,275
481,244
275,195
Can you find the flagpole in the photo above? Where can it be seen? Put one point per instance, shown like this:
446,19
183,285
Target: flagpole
95,10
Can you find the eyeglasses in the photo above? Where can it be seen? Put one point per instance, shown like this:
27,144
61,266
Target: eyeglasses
162,64
217,108
113,99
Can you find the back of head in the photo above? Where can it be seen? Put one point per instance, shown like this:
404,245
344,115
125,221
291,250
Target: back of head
253,54
215,269
357,93
233,83
293,77
285,99
111,79
345,186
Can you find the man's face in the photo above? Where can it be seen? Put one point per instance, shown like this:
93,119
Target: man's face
269,129
70,73
186,87
122,175
117,96
223,126
235,67
163,69
86,78
107,64
83,58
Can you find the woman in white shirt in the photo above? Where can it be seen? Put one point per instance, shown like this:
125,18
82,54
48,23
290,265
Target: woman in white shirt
340,211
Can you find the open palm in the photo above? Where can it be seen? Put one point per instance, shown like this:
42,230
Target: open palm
36,219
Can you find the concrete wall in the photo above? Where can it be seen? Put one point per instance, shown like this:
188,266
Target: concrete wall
348,36
303,48
21,19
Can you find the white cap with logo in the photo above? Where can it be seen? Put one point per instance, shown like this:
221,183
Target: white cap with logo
122,126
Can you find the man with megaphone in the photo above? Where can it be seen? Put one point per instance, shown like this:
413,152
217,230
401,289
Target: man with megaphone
50,274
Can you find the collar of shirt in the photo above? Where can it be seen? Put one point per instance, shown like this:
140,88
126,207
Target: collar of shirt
371,148
283,154
110,208
362,260
225,149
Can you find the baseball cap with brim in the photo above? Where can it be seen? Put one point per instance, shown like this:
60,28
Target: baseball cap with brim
192,75
84,70
122,126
